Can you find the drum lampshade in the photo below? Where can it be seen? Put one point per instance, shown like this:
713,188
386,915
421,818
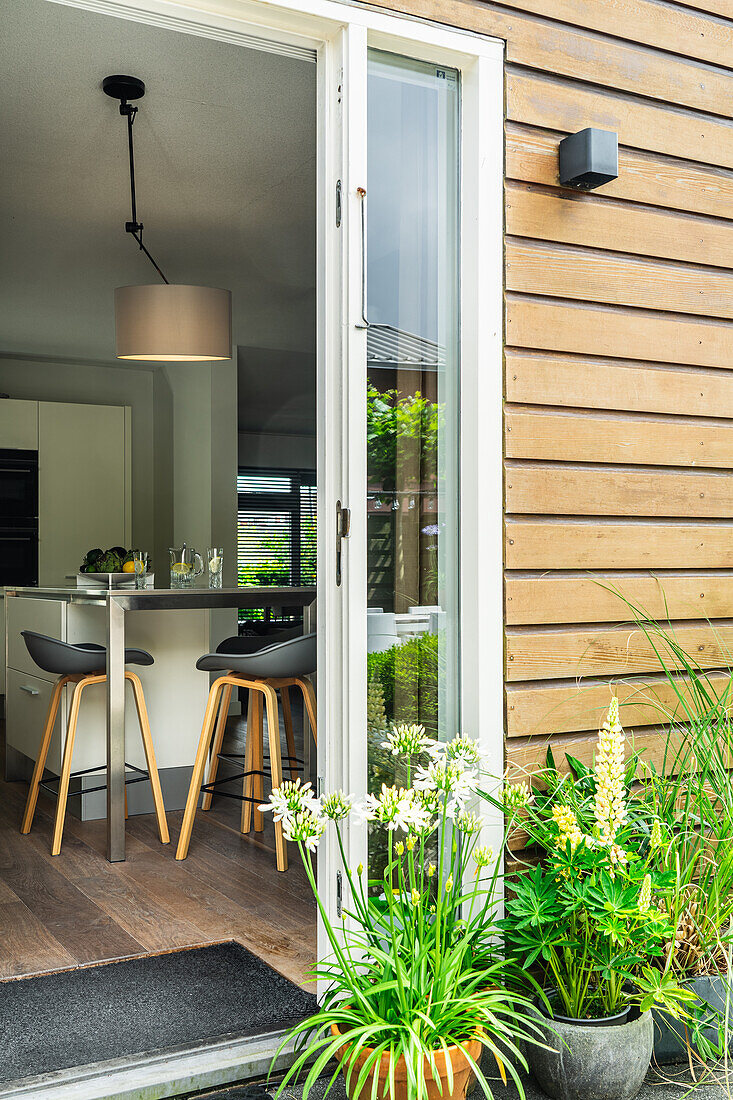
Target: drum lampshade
173,323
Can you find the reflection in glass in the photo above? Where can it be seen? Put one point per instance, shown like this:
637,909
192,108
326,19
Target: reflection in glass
412,407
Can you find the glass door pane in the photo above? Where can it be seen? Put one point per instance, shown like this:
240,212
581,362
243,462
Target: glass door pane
412,405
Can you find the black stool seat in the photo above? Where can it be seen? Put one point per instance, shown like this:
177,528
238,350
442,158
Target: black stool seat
84,658
282,661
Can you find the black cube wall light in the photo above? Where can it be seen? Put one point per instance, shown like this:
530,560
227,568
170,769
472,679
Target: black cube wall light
589,159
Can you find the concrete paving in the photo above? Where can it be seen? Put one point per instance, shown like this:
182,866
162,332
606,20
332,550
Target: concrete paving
671,1083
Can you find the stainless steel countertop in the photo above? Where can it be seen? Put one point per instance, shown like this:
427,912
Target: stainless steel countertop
164,599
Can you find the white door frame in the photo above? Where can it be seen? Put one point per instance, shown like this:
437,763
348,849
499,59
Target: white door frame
339,33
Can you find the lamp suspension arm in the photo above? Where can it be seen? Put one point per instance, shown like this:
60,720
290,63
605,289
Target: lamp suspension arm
134,227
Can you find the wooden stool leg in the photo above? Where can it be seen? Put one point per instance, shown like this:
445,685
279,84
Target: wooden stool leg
273,731
309,698
126,810
289,737
198,768
53,709
254,704
147,739
221,725
63,794
258,763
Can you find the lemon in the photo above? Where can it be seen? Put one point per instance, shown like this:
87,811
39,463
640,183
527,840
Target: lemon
180,568
128,567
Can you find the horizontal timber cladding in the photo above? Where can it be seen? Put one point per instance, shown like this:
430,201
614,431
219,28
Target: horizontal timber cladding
547,378
619,357
598,597
531,155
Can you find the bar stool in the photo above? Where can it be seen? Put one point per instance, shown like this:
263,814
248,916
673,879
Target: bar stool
84,664
265,672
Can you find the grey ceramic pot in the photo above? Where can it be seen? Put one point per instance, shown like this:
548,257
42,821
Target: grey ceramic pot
587,1062
670,1043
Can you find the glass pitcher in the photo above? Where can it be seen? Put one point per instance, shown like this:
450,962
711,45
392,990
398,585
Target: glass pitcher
186,564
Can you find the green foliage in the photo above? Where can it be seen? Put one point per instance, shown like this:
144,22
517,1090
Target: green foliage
402,979
400,430
408,674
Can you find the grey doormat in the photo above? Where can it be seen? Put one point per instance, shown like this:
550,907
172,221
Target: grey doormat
159,1002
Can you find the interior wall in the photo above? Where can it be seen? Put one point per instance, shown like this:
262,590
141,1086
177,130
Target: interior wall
96,384
204,432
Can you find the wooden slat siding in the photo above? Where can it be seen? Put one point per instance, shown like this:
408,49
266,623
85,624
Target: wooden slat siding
531,156
583,55
619,341
623,333
551,379
670,28
612,491
546,653
556,104
550,598
715,7
561,271
525,755
604,544
593,222
540,711
640,440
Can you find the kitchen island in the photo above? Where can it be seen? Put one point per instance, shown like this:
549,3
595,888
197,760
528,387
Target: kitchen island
176,628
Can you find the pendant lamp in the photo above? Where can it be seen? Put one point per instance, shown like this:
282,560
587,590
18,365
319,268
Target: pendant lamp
164,322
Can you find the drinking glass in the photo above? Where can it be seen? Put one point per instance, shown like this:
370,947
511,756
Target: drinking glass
141,558
215,561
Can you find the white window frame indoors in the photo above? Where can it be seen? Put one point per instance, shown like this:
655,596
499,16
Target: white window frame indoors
340,33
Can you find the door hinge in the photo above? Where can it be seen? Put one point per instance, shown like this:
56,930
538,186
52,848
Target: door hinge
339,894
338,204
343,526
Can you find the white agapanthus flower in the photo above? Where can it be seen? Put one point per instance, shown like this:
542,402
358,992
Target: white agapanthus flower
515,796
304,827
449,778
469,823
337,806
291,798
397,808
407,740
465,751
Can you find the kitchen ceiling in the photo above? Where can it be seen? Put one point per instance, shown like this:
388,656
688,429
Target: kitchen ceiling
225,172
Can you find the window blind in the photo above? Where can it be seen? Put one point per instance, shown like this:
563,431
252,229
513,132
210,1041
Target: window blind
276,527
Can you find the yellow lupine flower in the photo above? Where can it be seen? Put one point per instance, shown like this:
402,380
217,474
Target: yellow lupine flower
610,798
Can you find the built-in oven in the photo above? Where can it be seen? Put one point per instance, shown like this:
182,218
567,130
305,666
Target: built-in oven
18,553
18,517
18,485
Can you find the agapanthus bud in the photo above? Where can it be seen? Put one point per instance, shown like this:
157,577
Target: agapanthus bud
400,848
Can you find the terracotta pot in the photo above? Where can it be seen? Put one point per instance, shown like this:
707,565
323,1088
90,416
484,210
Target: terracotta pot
462,1073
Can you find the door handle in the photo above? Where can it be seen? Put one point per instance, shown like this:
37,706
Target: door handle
343,526
29,690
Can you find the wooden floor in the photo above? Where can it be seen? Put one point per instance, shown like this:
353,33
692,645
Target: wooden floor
76,908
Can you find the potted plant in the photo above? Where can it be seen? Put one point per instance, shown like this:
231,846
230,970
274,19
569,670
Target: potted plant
587,917
691,799
407,1013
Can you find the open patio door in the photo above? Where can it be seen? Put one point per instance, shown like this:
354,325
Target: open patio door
410,388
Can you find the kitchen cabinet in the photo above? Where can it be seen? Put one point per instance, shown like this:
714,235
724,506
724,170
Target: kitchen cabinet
18,425
84,484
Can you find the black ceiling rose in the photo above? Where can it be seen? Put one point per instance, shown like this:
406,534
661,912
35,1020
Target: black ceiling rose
123,87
